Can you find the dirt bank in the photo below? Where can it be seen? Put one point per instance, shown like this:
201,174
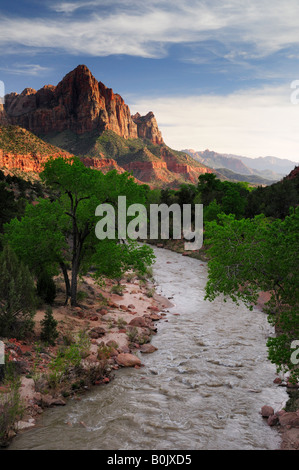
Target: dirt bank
118,328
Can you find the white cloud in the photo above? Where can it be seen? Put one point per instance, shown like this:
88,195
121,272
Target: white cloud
252,123
71,7
247,28
25,69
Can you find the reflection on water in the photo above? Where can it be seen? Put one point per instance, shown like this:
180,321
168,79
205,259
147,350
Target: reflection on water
202,389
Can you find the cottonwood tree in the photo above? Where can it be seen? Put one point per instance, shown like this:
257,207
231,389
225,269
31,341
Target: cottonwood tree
39,239
62,231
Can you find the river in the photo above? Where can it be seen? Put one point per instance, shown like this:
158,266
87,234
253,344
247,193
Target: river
201,390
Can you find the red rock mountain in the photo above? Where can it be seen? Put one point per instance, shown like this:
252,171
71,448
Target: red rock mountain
78,103
147,128
85,109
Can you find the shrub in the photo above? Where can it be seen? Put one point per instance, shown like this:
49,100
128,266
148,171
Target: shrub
132,334
17,296
121,323
49,331
68,357
117,289
11,409
150,292
81,295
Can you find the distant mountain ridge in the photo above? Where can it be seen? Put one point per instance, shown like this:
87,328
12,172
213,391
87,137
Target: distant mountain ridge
268,168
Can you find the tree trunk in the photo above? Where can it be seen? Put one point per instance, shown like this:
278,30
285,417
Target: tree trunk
74,288
75,271
67,282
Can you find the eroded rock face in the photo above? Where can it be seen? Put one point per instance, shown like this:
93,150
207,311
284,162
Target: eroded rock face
81,104
3,116
78,103
35,162
27,163
147,128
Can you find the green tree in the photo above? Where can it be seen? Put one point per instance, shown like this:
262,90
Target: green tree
17,296
274,200
230,195
209,187
39,239
125,256
49,332
233,202
248,256
211,211
62,232
8,205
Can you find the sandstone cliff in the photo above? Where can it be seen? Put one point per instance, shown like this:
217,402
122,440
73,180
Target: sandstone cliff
27,163
293,174
82,116
147,128
78,103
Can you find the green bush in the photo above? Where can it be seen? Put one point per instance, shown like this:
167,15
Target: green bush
11,410
17,296
49,331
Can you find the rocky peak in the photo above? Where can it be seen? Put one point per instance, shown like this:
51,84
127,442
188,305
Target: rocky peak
147,127
81,104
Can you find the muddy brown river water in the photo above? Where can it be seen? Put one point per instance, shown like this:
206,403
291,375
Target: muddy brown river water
201,390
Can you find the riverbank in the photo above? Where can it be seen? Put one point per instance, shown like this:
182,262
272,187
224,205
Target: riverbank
287,419
103,309
114,323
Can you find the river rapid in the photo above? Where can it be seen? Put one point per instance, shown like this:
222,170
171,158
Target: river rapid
201,390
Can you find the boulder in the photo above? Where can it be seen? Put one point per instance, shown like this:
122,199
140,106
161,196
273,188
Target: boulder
267,411
94,318
273,420
46,401
128,360
289,419
97,332
21,425
139,322
148,348
155,317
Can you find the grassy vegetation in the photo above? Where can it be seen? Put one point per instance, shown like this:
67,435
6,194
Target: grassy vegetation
14,139
107,144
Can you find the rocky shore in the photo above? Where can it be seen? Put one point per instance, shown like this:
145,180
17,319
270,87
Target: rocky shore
287,419
118,323
287,422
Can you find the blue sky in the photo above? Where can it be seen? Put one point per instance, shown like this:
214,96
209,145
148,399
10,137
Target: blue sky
217,74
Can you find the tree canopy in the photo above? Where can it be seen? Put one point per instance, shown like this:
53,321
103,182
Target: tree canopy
248,256
59,232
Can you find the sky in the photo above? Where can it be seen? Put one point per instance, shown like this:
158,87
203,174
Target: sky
218,75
